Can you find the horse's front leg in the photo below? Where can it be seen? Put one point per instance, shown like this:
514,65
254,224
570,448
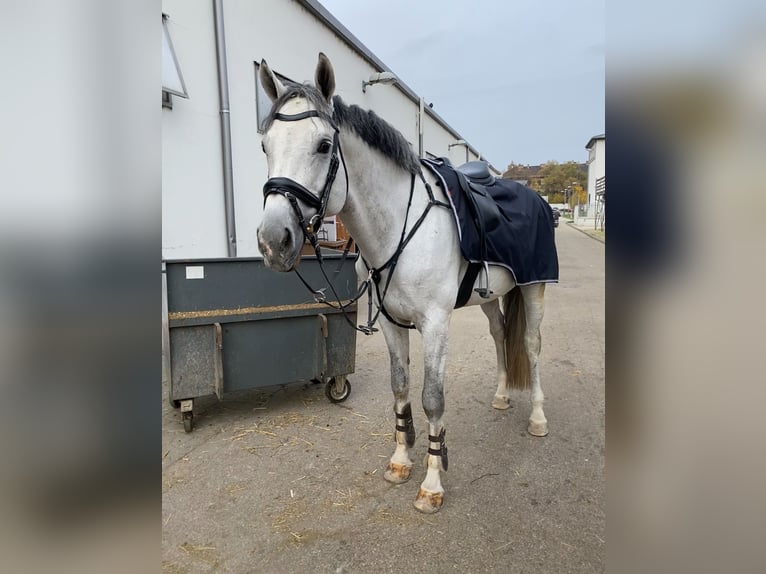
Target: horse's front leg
398,341
435,337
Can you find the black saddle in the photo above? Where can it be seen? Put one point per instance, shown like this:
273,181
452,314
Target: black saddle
473,178
477,172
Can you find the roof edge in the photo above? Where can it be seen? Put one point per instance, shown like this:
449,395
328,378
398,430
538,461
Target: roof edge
593,139
321,13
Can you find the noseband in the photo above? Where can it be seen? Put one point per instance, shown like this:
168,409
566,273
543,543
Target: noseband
294,191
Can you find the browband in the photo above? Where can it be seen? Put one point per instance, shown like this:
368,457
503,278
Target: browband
302,116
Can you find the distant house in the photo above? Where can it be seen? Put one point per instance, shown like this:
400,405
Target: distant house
523,174
587,214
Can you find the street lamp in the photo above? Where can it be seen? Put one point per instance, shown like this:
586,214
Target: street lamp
380,78
573,187
462,143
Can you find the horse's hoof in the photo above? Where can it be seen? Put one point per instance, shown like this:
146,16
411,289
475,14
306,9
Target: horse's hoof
501,403
538,428
429,502
397,473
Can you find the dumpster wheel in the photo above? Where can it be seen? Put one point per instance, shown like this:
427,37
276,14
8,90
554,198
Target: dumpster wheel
188,418
335,394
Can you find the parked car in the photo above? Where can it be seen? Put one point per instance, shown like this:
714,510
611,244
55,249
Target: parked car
556,215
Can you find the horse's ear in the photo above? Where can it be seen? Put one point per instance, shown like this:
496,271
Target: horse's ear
271,84
324,78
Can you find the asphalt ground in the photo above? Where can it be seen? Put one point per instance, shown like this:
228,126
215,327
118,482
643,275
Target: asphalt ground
283,481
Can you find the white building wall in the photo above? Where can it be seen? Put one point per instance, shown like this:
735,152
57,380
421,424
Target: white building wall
193,218
596,170
193,204
255,31
436,141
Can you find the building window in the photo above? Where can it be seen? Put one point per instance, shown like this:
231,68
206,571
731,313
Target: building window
262,101
172,80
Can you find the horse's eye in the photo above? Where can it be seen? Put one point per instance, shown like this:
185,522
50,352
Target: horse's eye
263,147
324,147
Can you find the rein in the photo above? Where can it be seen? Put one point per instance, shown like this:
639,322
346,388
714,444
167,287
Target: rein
374,274
294,191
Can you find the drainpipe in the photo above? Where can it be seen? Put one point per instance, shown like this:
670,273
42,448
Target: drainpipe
421,112
223,96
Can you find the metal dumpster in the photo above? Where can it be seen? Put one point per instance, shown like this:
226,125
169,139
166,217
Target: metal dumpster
233,324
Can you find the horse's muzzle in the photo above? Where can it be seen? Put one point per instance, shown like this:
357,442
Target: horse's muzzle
280,247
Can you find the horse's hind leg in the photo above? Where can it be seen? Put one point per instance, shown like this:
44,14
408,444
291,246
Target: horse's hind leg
502,399
533,307
398,341
435,336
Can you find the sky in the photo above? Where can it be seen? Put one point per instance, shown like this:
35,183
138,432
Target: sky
521,80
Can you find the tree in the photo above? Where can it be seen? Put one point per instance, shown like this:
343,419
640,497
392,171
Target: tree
560,182
577,195
557,198
567,178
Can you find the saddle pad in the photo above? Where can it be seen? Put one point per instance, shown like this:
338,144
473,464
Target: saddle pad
518,226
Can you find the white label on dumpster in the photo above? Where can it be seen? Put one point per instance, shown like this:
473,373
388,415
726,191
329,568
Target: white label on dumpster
195,272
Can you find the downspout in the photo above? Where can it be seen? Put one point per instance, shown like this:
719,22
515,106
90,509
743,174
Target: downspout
223,96
421,112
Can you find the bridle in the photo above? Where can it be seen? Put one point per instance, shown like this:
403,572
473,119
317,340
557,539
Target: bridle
294,191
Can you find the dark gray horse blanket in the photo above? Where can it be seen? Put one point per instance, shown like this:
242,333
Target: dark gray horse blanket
517,222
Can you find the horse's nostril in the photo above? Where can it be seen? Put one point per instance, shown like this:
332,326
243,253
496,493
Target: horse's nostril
288,240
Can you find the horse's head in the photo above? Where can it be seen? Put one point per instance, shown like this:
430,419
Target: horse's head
302,152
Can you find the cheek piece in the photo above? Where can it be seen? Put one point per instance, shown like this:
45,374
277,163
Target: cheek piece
294,191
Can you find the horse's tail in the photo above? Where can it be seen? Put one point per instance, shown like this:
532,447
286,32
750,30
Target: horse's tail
516,359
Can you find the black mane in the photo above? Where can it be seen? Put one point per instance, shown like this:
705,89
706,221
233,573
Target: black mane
373,130
377,133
